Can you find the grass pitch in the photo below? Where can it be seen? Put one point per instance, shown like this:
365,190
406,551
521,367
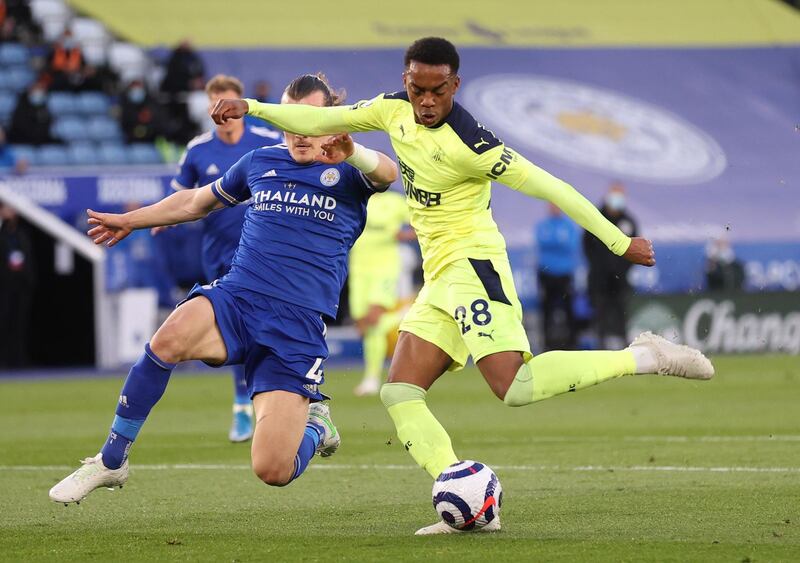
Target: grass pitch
640,469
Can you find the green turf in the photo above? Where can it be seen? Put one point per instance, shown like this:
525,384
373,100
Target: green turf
587,477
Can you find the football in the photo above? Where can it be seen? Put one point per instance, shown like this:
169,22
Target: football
467,495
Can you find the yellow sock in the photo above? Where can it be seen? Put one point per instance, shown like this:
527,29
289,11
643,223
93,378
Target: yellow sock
553,373
419,431
376,344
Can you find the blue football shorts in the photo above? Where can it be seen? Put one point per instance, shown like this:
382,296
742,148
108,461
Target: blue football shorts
282,346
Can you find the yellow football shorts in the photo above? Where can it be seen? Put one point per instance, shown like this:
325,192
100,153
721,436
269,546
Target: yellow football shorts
470,308
371,288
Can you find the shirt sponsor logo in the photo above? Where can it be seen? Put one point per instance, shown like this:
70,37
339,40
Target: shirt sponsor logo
506,158
319,206
212,170
595,128
269,173
424,197
330,177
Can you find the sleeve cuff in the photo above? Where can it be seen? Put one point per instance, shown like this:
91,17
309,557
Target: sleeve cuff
222,195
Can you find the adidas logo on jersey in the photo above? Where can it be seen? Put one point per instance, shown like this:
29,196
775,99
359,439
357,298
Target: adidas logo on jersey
212,170
269,174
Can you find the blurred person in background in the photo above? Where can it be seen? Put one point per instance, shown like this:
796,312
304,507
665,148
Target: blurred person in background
373,283
8,160
31,120
723,270
65,63
17,282
558,242
609,289
140,114
207,158
17,23
262,91
185,70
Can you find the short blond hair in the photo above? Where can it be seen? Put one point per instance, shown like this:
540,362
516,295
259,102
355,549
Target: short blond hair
223,83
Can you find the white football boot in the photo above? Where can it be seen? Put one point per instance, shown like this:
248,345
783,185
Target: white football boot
675,359
91,475
442,527
319,414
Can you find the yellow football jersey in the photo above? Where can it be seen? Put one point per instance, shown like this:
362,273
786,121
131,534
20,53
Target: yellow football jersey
447,173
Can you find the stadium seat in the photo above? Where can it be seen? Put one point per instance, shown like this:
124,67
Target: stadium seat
103,128
52,155
128,60
83,154
25,152
93,103
53,15
143,153
13,54
62,103
89,31
95,54
43,10
8,102
18,78
70,129
112,154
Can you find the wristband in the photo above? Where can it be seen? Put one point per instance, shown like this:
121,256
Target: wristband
364,159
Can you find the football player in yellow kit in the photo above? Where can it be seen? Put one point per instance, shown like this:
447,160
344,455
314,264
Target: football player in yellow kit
468,304
373,282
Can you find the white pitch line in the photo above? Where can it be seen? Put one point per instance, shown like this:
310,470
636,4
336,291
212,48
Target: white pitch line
397,467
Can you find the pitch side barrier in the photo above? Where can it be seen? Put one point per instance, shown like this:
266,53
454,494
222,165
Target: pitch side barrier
723,322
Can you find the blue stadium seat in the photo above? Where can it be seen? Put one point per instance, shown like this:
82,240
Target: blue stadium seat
18,78
61,103
144,153
52,155
113,154
25,152
103,128
83,154
93,103
13,54
8,102
70,129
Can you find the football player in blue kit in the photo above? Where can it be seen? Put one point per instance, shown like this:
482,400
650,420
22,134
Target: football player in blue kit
206,159
307,205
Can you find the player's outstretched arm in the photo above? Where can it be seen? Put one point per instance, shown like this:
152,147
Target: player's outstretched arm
533,181
180,207
376,166
306,119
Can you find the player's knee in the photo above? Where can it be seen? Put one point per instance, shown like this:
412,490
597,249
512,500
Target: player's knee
168,343
272,473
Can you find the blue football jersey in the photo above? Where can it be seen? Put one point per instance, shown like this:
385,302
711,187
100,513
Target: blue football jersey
299,226
206,159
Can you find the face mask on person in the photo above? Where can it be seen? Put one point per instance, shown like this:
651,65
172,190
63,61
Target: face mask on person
37,97
616,201
136,95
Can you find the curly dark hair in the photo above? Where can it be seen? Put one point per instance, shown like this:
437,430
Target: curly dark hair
433,51
307,84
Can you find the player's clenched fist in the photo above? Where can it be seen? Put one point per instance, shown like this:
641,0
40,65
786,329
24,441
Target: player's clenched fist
641,252
228,109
